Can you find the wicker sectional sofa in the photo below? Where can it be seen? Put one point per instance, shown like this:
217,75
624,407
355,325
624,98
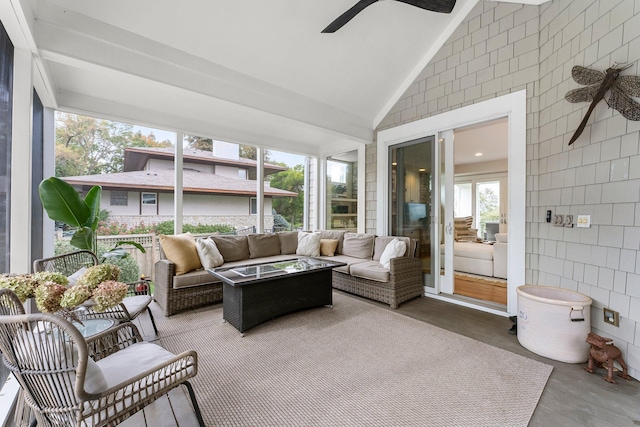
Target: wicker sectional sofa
362,275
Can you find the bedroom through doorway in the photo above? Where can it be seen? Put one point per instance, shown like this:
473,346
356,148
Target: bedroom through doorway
480,211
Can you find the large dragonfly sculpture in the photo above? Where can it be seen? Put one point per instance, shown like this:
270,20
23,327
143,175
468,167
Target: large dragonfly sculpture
599,83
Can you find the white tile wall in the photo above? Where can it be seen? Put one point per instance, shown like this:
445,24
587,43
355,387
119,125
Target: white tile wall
503,47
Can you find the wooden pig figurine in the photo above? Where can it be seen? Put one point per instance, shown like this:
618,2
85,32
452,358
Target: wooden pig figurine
602,350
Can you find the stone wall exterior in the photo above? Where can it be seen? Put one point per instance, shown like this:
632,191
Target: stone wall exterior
502,48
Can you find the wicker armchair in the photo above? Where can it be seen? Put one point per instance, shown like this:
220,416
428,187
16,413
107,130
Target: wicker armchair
135,303
10,304
102,381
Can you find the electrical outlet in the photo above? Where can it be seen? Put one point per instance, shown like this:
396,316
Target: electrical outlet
612,317
558,220
568,221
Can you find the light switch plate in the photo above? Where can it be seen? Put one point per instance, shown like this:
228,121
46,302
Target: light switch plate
584,221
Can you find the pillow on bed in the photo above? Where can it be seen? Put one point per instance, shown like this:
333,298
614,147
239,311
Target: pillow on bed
501,237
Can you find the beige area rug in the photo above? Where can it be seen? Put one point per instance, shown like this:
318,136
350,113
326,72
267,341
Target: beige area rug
353,365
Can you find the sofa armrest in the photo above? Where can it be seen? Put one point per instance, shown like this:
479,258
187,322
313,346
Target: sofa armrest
164,270
407,267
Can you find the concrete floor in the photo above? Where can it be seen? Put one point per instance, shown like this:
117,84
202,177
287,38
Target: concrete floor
572,396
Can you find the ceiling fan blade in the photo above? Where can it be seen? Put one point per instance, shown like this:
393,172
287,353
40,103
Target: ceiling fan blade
348,16
442,6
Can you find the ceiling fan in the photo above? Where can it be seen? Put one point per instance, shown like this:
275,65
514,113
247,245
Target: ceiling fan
442,6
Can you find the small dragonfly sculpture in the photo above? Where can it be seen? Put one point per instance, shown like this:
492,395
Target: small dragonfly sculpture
621,87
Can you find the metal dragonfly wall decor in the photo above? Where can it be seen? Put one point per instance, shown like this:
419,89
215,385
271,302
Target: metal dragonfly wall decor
622,88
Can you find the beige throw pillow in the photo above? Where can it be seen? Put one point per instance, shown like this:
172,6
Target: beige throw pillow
181,250
358,245
328,247
308,244
210,256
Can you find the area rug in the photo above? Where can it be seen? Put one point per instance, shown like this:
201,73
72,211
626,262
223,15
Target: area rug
354,365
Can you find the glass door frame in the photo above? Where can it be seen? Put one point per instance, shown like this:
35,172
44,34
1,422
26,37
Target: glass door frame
400,202
514,107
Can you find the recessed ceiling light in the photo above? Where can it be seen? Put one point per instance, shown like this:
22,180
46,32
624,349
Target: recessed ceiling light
478,154
393,164
421,170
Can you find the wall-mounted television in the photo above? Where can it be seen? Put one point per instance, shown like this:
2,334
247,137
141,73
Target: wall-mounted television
415,212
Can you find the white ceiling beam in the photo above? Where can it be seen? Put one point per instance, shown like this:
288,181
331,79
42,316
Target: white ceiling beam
68,37
81,104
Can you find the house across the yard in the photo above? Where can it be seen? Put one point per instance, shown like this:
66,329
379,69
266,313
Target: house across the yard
219,187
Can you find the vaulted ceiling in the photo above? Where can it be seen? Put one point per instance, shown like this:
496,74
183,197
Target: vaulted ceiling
258,72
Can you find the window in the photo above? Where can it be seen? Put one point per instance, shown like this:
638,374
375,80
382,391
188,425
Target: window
119,198
253,206
150,199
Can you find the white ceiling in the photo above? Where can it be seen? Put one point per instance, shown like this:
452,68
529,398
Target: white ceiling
258,72
489,138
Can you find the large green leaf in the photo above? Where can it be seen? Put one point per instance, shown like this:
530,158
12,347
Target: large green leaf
92,199
63,203
83,238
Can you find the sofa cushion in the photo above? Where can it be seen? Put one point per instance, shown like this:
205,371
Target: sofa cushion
333,234
473,250
328,247
395,249
262,245
308,244
371,270
359,245
181,250
232,248
381,243
193,278
348,260
210,256
288,242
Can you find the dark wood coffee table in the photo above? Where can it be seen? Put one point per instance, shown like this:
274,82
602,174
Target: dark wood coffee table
255,293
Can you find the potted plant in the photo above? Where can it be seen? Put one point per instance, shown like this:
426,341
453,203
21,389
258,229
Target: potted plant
63,203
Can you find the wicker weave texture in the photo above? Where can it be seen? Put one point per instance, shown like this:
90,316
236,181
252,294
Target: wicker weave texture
173,300
48,356
405,283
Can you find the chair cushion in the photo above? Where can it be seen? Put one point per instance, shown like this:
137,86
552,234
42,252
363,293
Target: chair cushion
136,304
262,245
73,279
288,242
395,249
308,244
328,247
232,248
210,256
371,270
359,245
181,250
131,361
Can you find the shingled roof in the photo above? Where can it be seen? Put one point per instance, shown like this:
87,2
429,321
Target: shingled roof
135,159
163,181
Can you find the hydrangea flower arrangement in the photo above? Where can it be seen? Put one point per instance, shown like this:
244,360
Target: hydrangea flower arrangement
52,293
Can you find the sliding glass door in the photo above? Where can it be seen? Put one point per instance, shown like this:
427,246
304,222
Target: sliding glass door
411,196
